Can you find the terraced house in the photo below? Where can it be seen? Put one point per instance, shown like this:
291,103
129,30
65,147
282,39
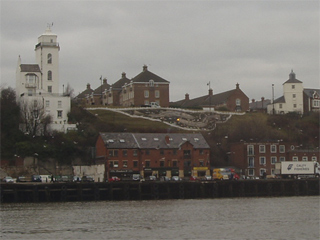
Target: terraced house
157,154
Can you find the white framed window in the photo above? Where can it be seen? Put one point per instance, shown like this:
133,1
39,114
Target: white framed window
125,163
157,94
49,75
280,105
282,148
250,172
272,171
282,159
262,160
305,158
262,148
316,103
295,158
151,83
47,103
250,149
273,159
273,148
314,158
59,104
59,115
238,102
115,164
262,171
251,162
30,92
50,89
146,93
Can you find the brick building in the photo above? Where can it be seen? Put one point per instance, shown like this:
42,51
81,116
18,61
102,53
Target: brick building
157,154
256,158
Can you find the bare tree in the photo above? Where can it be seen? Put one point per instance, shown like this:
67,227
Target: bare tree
69,91
34,118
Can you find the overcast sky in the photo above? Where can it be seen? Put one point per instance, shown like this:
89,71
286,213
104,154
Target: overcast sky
189,43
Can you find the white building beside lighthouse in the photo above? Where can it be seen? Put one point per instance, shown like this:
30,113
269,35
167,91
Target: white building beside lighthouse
37,85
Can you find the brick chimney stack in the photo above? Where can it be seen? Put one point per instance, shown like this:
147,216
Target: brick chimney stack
166,138
187,96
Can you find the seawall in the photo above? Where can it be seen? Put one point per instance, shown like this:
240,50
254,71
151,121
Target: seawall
153,190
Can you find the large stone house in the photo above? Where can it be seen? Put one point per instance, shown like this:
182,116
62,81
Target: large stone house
37,87
234,100
157,154
295,98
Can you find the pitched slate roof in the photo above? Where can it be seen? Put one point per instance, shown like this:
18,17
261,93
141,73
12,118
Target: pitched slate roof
122,81
102,88
29,68
146,76
279,100
153,140
310,92
86,92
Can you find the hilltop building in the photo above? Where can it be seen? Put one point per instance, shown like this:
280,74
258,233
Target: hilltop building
295,98
143,89
157,154
37,86
234,100
259,106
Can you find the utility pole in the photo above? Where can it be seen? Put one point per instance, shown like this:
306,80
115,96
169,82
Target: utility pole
272,98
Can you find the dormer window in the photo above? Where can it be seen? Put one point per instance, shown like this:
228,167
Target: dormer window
151,83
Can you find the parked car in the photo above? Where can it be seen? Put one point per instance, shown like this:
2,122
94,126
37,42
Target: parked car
193,178
163,178
114,179
7,179
36,178
87,179
176,178
21,179
207,178
151,178
76,179
136,177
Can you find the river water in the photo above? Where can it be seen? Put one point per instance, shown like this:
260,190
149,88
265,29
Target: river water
236,218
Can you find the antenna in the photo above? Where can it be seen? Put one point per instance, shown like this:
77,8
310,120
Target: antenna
49,25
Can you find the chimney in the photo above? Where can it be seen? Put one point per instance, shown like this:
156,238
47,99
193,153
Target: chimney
123,75
187,96
210,92
88,86
166,138
237,86
145,68
104,81
253,100
262,99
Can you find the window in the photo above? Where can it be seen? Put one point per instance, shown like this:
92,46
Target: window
293,95
262,171
316,103
49,75
294,158
201,152
294,105
135,164
262,148
111,164
282,159
251,162
187,153
30,92
174,163
273,160
124,153
115,164
113,153
174,152
50,89
280,105
59,114
146,93
157,94
161,163
262,160
238,102
305,158
282,148
59,104
250,172
125,163
135,152
293,86
314,158
49,58
47,103
151,83
147,152
147,163
273,148
201,163
250,149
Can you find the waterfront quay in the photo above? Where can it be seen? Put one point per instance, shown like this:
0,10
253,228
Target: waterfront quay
154,190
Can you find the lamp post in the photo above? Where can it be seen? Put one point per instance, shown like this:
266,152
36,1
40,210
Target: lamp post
101,89
272,98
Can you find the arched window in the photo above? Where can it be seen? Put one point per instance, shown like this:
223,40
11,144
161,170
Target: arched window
238,102
49,58
49,75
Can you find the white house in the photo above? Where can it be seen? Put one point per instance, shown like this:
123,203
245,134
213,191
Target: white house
292,99
38,84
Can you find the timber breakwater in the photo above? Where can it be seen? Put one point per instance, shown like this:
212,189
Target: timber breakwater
154,190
